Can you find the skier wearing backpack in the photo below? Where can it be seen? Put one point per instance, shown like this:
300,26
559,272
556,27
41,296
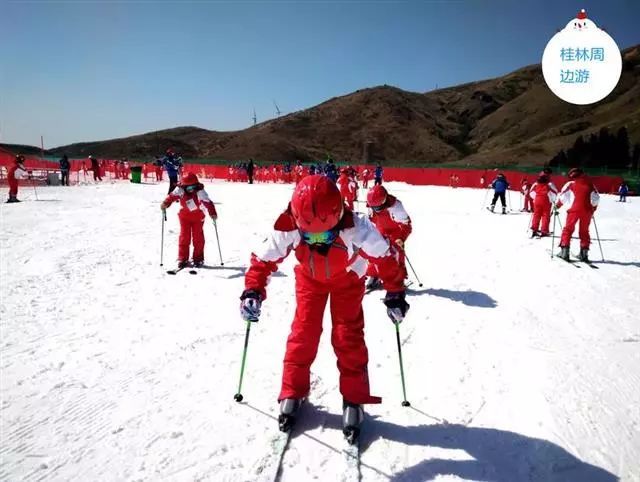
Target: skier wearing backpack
332,245
193,199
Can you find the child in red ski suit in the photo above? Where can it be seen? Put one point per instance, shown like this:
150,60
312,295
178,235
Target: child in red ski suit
332,246
528,198
17,171
348,188
390,218
542,195
582,199
193,198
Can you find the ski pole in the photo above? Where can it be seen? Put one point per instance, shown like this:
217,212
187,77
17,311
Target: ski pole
33,183
530,222
553,233
405,402
484,200
598,236
414,271
164,218
238,396
215,225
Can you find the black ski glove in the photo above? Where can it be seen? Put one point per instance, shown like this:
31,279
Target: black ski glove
250,304
397,307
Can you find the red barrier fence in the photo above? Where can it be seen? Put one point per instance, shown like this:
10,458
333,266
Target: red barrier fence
475,178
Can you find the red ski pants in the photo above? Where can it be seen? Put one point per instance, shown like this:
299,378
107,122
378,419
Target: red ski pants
191,225
583,230
13,188
528,204
347,336
541,212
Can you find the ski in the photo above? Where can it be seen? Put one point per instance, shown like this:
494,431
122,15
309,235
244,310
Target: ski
193,271
176,270
351,454
588,263
569,261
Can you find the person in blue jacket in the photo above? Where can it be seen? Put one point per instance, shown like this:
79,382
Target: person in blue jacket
623,190
378,175
172,164
330,170
500,186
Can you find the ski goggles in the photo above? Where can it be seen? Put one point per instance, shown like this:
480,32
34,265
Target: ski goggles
191,188
324,237
377,209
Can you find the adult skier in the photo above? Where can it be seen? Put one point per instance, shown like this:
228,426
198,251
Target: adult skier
542,196
623,190
249,169
332,245
348,188
193,199
172,164
378,174
17,171
330,170
65,166
499,186
581,198
392,221
95,168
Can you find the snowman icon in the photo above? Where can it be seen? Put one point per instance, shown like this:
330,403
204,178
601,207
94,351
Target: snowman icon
581,22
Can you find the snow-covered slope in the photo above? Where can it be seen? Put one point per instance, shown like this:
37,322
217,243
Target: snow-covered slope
518,367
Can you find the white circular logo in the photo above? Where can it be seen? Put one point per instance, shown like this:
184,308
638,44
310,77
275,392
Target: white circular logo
582,63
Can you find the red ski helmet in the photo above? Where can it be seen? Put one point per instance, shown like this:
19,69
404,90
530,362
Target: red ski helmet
376,196
575,173
316,204
189,179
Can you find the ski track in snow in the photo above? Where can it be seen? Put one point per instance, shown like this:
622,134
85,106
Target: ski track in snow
519,367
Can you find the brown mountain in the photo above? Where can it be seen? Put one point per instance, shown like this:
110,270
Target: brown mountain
509,120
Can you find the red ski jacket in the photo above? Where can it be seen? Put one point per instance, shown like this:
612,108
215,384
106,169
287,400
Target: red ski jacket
393,222
192,203
579,195
358,243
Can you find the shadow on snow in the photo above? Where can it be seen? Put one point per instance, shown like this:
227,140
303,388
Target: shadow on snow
498,455
468,297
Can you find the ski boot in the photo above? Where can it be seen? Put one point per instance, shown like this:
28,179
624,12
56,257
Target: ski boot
183,264
373,284
534,233
564,253
493,206
288,409
352,417
13,199
584,255
198,264
504,210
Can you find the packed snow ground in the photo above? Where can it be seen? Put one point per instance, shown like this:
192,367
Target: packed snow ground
518,367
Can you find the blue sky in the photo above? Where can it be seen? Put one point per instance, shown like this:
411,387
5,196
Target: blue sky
88,70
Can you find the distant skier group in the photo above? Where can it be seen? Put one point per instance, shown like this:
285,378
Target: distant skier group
578,195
